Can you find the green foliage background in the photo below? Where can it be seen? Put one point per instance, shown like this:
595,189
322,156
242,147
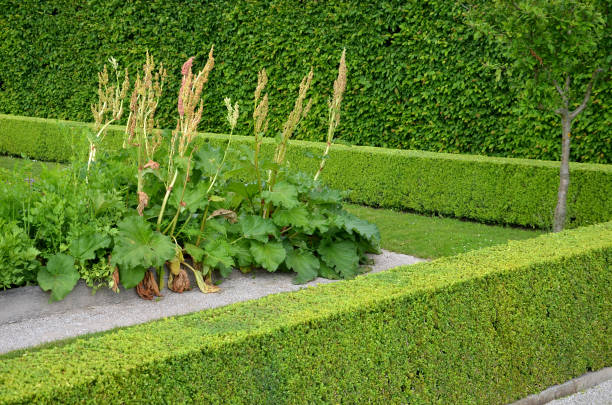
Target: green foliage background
417,77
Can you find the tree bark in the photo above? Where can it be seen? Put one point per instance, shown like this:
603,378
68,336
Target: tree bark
564,175
567,117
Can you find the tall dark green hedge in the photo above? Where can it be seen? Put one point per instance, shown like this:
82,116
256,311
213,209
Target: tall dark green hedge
417,77
487,189
486,327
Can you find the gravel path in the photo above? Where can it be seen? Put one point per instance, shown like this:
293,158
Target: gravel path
598,395
27,319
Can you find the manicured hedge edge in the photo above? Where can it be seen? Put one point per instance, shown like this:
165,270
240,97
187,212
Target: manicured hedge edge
489,326
497,190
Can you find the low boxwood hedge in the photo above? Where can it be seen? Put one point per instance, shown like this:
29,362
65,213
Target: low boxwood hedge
490,326
496,190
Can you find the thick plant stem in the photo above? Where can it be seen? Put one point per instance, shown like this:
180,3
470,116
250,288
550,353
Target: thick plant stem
564,175
214,179
92,148
279,159
322,165
271,182
140,185
172,225
160,272
202,225
210,187
126,135
256,163
163,207
330,135
91,159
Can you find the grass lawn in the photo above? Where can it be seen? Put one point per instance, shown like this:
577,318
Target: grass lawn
9,163
433,237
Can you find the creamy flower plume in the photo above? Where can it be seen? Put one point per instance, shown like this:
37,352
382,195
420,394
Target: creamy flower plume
109,109
334,109
232,112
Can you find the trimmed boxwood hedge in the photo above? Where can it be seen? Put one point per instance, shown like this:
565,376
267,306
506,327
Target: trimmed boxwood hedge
485,327
418,79
496,190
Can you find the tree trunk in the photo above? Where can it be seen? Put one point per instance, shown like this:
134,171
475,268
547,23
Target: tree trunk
564,175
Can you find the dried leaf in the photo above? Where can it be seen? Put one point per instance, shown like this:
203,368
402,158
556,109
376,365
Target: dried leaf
206,286
147,288
210,287
115,287
228,214
180,282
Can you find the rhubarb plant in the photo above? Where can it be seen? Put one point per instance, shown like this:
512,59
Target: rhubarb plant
170,201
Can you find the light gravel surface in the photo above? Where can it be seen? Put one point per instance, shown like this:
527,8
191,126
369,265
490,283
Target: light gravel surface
600,394
27,319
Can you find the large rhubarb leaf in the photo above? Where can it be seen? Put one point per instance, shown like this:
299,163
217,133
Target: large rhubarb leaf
304,263
131,276
358,226
255,227
340,255
208,159
327,196
194,199
268,255
196,253
242,254
296,216
327,272
247,191
284,194
60,276
318,222
137,245
85,247
218,252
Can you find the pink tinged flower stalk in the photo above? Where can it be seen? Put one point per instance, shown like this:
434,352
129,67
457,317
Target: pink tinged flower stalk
181,110
187,66
186,127
185,71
